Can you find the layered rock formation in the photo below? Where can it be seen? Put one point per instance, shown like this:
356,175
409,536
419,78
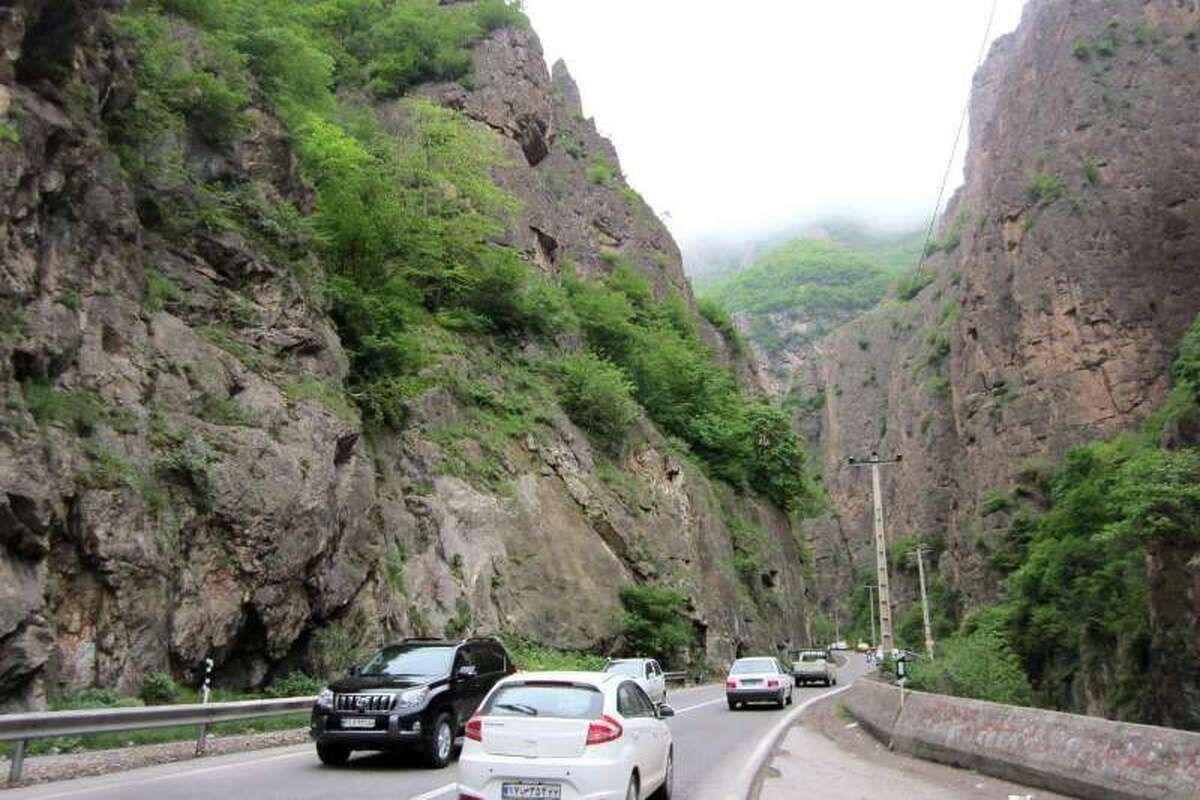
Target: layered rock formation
181,475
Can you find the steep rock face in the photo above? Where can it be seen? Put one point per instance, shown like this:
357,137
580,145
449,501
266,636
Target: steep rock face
1053,319
181,475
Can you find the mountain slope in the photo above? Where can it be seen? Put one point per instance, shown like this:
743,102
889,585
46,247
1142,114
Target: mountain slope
1052,321
309,316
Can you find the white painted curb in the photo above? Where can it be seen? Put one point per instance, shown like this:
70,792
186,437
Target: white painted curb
743,785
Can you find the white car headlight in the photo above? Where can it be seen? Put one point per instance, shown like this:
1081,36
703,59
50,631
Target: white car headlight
412,698
325,698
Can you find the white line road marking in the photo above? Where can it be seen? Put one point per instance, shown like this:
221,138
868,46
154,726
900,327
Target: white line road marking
436,793
172,776
700,705
745,781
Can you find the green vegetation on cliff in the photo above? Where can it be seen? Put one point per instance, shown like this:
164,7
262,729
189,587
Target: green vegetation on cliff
1077,611
406,222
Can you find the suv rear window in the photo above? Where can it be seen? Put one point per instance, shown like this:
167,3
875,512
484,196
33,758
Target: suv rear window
558,700
812,657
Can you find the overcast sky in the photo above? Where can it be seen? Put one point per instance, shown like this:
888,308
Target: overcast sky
734,117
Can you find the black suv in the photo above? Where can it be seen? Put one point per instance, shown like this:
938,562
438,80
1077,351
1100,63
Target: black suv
415,694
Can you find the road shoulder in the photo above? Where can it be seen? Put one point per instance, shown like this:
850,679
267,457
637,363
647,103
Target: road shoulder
67,766
827,751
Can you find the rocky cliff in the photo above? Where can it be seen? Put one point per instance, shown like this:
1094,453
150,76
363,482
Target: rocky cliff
1051,314
182,474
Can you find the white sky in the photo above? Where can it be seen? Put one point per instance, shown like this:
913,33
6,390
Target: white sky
736,117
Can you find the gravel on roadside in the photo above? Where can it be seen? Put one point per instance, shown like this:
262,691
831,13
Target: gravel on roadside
44,769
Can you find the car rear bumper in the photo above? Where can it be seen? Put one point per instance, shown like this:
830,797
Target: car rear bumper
482,775
391,731
755,695
811,676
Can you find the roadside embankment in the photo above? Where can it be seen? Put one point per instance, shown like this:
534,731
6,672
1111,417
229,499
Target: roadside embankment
1083,756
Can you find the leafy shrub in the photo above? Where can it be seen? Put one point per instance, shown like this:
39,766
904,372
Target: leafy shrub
717,316
78,410
601,172
159,688
655,622
9,134
326,394
979,665
995,501
529,655
1045,188
204,84
597,395
913,283
295,684
937,348
91,697
1082,49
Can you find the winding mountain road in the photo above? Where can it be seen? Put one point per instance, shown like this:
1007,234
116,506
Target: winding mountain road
714,750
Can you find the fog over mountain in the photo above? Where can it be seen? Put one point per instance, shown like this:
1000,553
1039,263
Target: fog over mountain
732,127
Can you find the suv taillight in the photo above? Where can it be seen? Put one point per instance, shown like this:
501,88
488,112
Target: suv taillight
475,729
731,684
771,684
605,729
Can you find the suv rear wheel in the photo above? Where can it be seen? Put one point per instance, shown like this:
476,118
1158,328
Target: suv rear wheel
440,742
333,755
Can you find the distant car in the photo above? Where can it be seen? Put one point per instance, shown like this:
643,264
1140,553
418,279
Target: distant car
567,735
863,647
814,666
841,644
645,671
758,680
414,695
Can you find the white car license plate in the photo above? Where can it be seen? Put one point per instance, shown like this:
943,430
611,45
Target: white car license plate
358,722
531,791
751,682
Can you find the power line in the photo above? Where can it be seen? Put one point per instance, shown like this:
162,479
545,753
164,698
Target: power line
962,123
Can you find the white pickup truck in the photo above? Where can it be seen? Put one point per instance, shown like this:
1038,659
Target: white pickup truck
814,666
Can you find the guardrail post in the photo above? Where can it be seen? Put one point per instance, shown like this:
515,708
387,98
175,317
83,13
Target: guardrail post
18,761
202,740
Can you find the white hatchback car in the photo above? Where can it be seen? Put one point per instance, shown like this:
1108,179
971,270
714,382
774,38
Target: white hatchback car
567,736
758,680
645,671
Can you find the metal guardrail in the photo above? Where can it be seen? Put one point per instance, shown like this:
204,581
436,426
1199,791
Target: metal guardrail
675,677
21,728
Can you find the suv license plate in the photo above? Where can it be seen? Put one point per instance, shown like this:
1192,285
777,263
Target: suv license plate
531,791
358,722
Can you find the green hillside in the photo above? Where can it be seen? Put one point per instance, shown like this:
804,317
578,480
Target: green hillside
811,281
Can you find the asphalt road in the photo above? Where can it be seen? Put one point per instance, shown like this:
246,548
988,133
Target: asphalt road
712,746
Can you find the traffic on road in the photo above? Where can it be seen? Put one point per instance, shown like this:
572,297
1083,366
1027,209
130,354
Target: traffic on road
539,735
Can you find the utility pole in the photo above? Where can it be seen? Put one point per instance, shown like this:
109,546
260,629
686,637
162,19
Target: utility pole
881,567
919,552
871,608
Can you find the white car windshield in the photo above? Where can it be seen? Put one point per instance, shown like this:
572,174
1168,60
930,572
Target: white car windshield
812,657
751,665
559,700
633,668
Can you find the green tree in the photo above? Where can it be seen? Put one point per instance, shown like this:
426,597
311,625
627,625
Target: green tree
655,622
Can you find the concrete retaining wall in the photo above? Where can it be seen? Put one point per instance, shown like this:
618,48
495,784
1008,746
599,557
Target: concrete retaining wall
875,705
1083,756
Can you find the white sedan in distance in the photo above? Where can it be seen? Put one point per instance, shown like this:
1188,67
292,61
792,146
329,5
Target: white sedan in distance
758,680
567,736
645,671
